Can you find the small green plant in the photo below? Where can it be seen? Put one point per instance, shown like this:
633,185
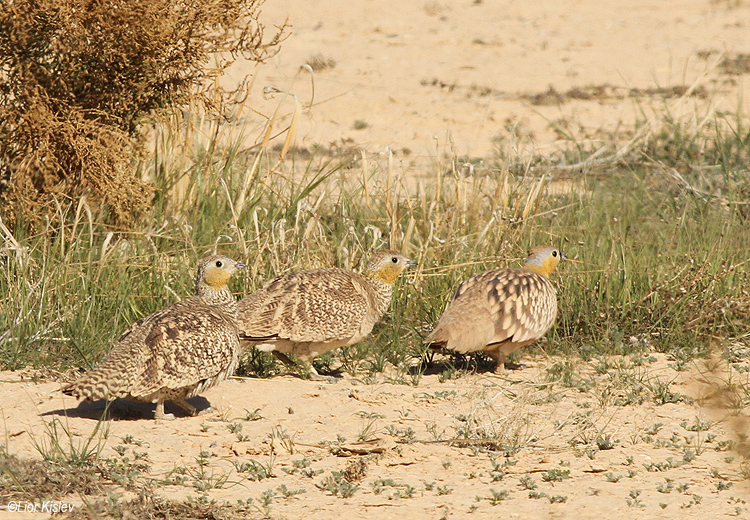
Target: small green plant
252,415
666,487
405,435
401,490
653,429
254,470
634,501
129,439
723,486
280,435
338,485
555,475
590,452
694,501
302,467
498,496
606,442
444,490
662,394
611,477
289,493
697,425
688,456
120,449
60,445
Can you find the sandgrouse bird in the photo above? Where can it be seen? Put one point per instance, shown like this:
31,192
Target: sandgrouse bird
174,353
502,310
307,313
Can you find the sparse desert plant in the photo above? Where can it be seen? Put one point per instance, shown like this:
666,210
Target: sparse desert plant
611,477
555,475
498,496
254,470
338,485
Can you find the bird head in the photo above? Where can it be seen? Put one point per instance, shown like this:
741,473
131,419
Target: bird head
214,272
543,259
387,265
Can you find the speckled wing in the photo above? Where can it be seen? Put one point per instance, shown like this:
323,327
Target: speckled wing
516,305
176,347
188,343
317,305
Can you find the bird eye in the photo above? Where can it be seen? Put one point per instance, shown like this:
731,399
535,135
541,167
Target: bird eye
394,260
218,263
554,253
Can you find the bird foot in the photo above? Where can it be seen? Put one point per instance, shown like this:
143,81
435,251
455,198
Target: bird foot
314,376
159,414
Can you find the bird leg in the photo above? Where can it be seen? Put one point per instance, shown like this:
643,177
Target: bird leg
508,348
284,358
499,359
313,375
189,408
159,414
307,370
501,363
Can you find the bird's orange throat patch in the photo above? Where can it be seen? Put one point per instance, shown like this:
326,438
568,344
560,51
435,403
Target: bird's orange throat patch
386,273
216,278
547,268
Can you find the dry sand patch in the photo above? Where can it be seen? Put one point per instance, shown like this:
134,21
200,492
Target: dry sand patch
558,438
427,79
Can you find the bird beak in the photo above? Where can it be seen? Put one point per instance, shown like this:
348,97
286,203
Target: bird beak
563,256
239,265
412,263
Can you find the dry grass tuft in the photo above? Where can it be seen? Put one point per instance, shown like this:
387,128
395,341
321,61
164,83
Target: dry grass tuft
78,79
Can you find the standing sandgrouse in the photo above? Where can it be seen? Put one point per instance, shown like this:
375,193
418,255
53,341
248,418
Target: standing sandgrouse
307,313
174,353
502,310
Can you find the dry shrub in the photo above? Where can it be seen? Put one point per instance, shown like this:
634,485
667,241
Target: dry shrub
77,77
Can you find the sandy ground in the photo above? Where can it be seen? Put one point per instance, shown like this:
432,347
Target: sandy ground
438,449
429,79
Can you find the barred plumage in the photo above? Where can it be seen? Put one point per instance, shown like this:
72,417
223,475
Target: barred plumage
175,353
307,313
502,310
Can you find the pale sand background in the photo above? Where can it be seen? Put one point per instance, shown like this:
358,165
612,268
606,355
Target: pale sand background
454,77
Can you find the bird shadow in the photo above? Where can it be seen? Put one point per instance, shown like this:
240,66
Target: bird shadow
455,363
125,409
473,364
